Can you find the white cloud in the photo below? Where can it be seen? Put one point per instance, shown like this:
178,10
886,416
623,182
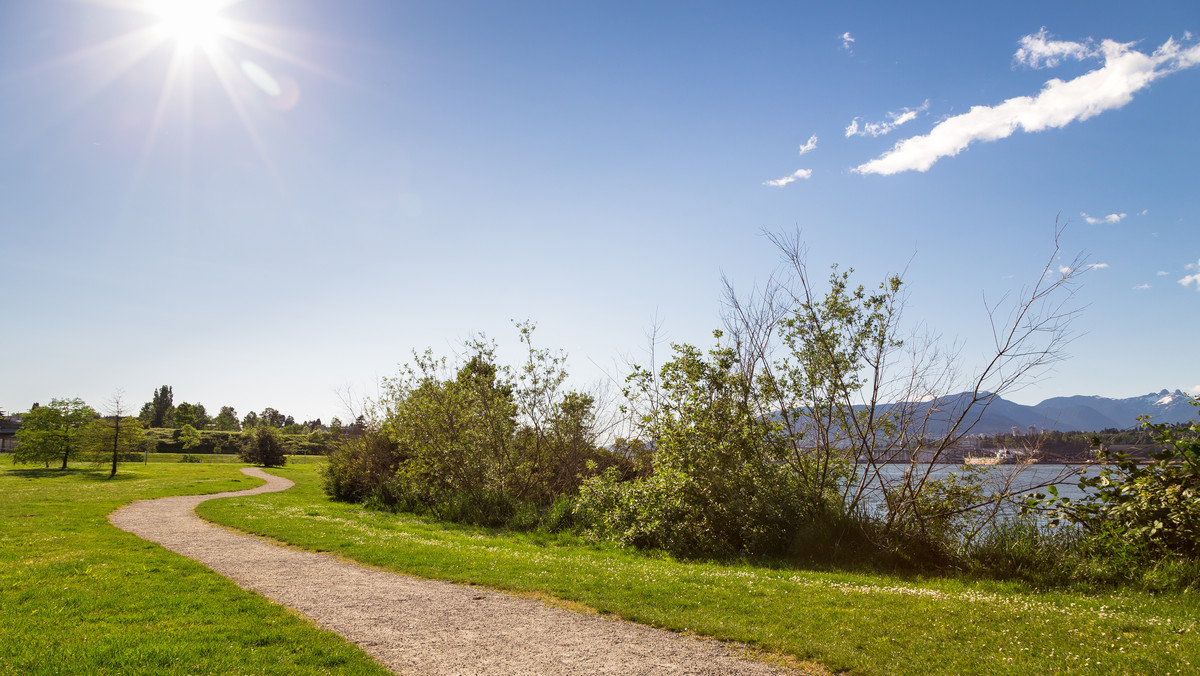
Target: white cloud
1065,270
1125,72
877,129
1098,266
1038,51
1141,287
1195,389
810,145
1191,279
847,42
1163,273
1143,212
1111,218
798,174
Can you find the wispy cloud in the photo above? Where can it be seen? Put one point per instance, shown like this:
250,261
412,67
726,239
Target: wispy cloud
780,182
1143,212
1195,389
1039,51
1098,266
847,42
1163,273
1111,218
1141,287
810,145
877,129
1064,269
1124,73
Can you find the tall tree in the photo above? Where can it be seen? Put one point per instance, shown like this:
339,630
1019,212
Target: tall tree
227,420
202,418
250,421
272,417
185,415
162,407
53,431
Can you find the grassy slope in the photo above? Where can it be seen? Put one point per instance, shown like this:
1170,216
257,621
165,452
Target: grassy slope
863,623
77,595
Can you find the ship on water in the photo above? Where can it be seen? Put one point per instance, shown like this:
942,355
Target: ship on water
1002,456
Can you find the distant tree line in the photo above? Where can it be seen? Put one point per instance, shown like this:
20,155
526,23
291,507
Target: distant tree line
70,429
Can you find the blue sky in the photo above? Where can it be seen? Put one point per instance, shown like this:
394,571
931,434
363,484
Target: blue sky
275,205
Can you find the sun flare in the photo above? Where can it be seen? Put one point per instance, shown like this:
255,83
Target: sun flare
190,24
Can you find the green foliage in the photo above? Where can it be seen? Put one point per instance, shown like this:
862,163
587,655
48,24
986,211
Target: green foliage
189,438
263,446
361,467
227,420
482,443
720,483
1140,510
190,458
159,411
53,432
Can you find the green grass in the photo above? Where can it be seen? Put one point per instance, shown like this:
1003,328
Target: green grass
79,596
863,623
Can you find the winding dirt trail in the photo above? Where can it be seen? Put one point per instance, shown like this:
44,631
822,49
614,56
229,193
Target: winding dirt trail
418,626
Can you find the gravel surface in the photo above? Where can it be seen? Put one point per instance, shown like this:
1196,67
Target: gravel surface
417,626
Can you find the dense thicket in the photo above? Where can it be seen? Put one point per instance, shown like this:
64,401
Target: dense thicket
480,443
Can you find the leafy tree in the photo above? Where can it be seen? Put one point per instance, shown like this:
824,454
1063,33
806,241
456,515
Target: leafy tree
189,437
272,418
263,447
227,420
185,415
794,424
160,409
250,421
203,420
51,432
335,427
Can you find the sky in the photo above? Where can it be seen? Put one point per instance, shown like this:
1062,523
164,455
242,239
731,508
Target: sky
273,203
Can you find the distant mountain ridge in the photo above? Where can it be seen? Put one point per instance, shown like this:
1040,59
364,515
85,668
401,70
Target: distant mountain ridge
1084,413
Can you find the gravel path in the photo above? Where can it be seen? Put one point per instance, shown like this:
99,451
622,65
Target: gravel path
417,626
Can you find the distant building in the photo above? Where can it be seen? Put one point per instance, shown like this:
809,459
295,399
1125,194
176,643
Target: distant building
9,424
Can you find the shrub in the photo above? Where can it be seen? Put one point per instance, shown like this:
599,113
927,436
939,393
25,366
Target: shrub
263,447
360,468
1142,511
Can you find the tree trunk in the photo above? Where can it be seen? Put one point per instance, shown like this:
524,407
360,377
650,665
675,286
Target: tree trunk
116,445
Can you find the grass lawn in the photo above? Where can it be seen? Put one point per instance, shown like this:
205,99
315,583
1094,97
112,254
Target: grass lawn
863,623
79,596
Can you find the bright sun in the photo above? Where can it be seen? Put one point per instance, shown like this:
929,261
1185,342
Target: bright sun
190,23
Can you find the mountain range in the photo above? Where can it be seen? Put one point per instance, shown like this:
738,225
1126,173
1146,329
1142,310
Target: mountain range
1082,413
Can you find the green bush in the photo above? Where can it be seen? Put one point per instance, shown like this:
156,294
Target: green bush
263,447
360,468
1143,511
483,443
